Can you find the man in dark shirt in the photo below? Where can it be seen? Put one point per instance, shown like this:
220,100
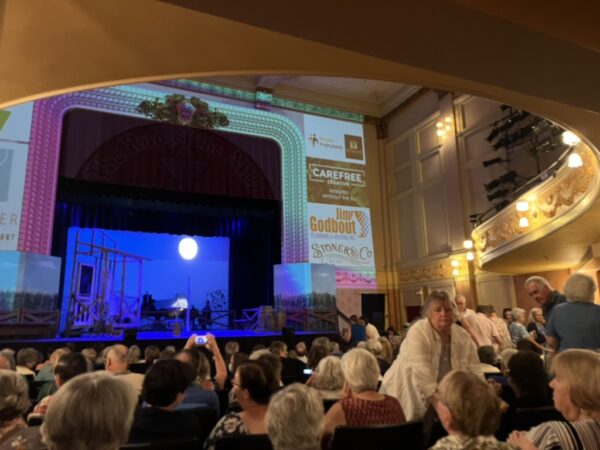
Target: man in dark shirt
542,292
291,369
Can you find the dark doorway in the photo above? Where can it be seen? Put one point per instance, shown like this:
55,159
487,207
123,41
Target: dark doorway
373,307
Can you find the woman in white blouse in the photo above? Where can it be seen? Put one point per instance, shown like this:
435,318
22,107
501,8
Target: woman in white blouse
434,346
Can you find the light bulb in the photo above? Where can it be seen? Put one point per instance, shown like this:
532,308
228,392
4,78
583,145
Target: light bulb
523,222
574,160
455,272
454,263
468,243
470,256
569,138
523,206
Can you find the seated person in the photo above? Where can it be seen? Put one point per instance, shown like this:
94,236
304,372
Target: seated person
328,379
253,385
576,395
487,359
27,359
68,366
14,402
46,374
469,411
293,420
291,369
528,381
362,405
116,363
91,411
164,389
197,396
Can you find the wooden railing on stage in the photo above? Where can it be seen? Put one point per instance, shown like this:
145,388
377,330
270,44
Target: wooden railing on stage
29,323
299,319
164,320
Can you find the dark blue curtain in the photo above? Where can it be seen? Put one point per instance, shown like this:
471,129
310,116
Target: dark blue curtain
253,227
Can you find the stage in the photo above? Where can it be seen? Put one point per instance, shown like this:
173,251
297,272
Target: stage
246,338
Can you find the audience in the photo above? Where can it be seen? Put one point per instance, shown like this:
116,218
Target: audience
501,326
528,381
481,328
68,366
328,379
462,311
151,353
576,323
470,413
507,316
487,360
433,346
196,394
355,334
253,385
294,419
14,402
163,391
519,333
134,355
362,405
371,331
93,411
537,325
116,364
27,360
317,352
46,373
542,292
291,369
576,395
6,362
301,351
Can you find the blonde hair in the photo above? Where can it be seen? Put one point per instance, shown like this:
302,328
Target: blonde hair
474,407
580,288
387,353
91,411
532,314
360,370
581,370
294,418
14,395
329,375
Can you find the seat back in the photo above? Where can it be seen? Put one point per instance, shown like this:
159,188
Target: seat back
207,418
526,418
407,436
183,444
247,442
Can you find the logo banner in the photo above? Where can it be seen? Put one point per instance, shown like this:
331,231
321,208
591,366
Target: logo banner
335,140
336,183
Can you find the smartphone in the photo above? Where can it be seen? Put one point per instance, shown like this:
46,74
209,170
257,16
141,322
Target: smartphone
307,371
201,340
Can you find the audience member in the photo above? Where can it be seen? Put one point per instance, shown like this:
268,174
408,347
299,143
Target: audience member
505,357
387,352
482,330
540,290
487,360
301,351
470,413
371,332
375,347
68,366
576,323
362,405
196,396
528,380
355,334
294,419
151,353
316,353
231,348
274,364
90,354
163,391
134,355
433,346
212,348
116,364
537,325
328,378
253,385
501,326
14,401
46,373
291,369
27,359
462,310
519,333
576,395
6,363
93,411
507,316
236,360
165,354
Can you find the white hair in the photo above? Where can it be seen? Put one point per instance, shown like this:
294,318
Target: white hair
517,312
329,375
360,370
294,418
540,281
580,288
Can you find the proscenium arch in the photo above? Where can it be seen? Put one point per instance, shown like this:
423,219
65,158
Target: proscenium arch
44,155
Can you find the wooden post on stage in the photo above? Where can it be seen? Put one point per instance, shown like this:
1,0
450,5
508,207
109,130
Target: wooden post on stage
189,306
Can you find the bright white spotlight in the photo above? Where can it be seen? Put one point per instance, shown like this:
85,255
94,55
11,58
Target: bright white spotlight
569,138
523,222
470,256
523,206
574,160
468,244
188,248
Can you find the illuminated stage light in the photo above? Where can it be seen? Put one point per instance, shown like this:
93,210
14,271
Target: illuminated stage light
188,248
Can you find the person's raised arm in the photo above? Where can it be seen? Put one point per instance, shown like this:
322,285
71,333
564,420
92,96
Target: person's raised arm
220,366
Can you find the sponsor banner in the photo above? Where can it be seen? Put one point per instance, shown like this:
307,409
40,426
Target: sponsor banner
13,164
340,235
336,183
335,140
15,123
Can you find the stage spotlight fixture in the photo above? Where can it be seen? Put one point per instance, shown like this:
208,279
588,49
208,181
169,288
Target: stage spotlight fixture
188,248
501,193
491,162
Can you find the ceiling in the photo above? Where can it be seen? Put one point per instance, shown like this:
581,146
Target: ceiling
368,97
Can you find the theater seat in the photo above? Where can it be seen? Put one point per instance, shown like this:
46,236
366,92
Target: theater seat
526,418
407,436
184,444
249,442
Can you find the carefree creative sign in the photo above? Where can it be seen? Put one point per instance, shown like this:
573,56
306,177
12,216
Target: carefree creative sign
339,217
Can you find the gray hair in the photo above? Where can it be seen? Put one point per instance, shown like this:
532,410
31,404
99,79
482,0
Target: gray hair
505,356
438,296
14,396
517,312
580,288
329,375
10,357
360,370
294,418
93,410
541,281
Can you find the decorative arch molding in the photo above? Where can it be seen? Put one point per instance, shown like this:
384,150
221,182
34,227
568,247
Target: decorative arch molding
39,195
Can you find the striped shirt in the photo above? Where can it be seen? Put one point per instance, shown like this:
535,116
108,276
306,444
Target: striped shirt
566,436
